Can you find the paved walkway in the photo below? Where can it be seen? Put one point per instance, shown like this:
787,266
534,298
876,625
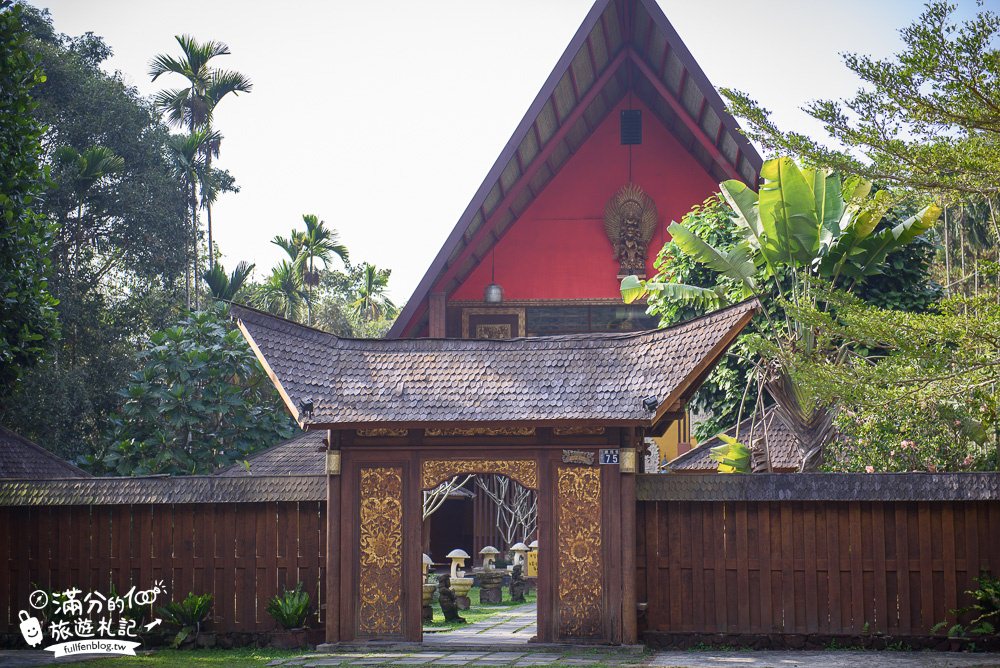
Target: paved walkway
433,658
29,658
511,628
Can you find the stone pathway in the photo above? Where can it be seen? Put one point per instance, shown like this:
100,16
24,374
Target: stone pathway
28,658
512,627
433,658
823,659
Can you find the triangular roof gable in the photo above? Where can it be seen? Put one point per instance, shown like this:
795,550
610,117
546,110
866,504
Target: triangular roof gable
621,45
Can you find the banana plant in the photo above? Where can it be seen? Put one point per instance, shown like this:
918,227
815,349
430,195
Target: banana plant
732,456
805,226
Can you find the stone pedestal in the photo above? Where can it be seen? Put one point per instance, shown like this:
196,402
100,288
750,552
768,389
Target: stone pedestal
489,587
461,587
427,612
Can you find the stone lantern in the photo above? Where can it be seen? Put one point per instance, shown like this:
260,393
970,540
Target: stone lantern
459,583
458,557
427,563
489,556
520,551
427,596
533,545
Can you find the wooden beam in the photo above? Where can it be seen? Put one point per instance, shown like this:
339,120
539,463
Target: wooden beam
536,164
685,117
437,322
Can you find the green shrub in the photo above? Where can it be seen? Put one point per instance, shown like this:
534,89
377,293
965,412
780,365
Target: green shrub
187,616
291,608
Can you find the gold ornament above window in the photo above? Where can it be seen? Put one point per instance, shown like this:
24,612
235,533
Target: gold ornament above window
630,220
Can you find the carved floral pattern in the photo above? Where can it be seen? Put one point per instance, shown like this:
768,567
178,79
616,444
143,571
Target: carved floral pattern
580,562
480,431
381,572
435,471
382,432
578,431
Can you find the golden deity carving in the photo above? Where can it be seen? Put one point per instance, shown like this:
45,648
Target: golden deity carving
630,221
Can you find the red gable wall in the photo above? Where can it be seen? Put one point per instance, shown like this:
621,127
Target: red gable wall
558,249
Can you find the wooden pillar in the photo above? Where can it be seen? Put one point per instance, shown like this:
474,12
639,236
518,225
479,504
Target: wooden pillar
629,614
332,593
437,316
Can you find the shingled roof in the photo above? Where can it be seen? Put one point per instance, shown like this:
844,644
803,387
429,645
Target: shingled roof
782,447
302,454
21,459
539,381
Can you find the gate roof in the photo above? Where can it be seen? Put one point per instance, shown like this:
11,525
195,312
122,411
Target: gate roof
596,378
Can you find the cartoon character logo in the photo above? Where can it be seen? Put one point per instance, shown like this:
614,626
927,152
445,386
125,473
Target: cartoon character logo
30,628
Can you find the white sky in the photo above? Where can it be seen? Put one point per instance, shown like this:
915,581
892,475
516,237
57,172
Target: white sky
383,117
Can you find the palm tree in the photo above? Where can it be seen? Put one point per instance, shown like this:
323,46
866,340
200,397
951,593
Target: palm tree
282,293
318,242
186,153
372,302
227,287
193,106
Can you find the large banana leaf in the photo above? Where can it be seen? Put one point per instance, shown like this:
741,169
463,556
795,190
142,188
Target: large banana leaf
874,249
787,211
830,205
732,456
735,264
861,220
743,202
633,288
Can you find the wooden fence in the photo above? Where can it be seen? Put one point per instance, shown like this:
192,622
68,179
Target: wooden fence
242,553
709,564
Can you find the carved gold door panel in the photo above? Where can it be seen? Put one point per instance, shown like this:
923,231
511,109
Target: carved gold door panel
580,560
380,581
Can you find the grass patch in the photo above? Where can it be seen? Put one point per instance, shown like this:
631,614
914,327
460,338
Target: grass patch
476,612
208,658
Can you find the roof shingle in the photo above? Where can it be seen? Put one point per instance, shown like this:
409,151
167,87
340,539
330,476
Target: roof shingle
301,455
24,460
599,377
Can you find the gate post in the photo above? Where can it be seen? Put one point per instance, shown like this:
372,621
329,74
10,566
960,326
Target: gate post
332,593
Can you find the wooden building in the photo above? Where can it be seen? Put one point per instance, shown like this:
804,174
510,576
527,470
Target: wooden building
626,105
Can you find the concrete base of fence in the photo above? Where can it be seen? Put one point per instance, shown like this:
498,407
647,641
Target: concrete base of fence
793,641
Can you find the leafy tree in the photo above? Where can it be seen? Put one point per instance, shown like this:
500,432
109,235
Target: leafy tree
916,390
27,310
805,229
124,281
193,106
200,401
927,119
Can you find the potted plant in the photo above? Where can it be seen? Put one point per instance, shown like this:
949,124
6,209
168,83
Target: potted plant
290,609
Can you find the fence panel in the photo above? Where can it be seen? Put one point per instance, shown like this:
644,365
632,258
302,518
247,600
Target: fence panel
810,567
241,553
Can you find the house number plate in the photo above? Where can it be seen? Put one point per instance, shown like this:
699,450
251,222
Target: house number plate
609,455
